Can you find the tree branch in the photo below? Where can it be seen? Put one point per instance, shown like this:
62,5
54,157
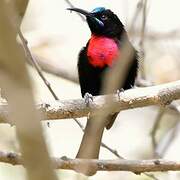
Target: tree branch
158,119
156,95
35,64
134,98
137,166
15,82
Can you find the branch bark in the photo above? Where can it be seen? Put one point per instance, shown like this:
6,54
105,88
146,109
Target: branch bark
137,166
156,95
134,98
15,82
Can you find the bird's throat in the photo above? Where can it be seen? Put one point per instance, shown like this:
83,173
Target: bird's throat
102,51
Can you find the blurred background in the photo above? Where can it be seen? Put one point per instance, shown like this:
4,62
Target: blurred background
56,36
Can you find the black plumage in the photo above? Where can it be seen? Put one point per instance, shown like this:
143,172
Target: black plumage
90,77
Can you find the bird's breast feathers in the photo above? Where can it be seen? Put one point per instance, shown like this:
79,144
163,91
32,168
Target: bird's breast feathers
102,51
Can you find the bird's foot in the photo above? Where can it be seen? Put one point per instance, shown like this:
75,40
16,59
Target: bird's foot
88,98
119,91
133,86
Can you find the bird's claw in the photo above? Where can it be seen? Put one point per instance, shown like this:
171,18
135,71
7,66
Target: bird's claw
133,87
119,91
88,98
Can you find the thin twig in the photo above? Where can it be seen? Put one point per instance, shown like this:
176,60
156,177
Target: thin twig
113,151
150,175
170,139
158,119
141,43
35,64
59,71
72,6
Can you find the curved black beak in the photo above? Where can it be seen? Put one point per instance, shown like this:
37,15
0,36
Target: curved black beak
84,12
89,15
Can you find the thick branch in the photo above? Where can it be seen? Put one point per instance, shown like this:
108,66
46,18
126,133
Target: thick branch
155,95
137,166
15,82
133,98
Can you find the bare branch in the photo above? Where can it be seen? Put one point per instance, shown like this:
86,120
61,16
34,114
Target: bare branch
15,82
137,166
158,119
113,151
35,64
133,98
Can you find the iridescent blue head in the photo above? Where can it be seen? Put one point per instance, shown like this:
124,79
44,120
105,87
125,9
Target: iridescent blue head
102,21
98,10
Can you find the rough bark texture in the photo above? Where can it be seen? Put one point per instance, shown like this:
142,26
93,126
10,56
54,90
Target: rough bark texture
137,166
134,98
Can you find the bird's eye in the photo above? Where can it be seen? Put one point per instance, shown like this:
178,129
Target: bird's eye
104,17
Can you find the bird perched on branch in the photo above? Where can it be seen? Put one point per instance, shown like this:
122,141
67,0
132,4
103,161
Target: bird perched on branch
100,53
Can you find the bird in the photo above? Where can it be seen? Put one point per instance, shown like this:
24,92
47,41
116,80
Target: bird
101,53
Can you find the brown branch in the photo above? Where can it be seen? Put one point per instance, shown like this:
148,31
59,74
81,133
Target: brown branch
144,83
134,98
137,166
15,82
113,151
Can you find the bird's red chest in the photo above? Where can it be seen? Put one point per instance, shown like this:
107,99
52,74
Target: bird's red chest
102,51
